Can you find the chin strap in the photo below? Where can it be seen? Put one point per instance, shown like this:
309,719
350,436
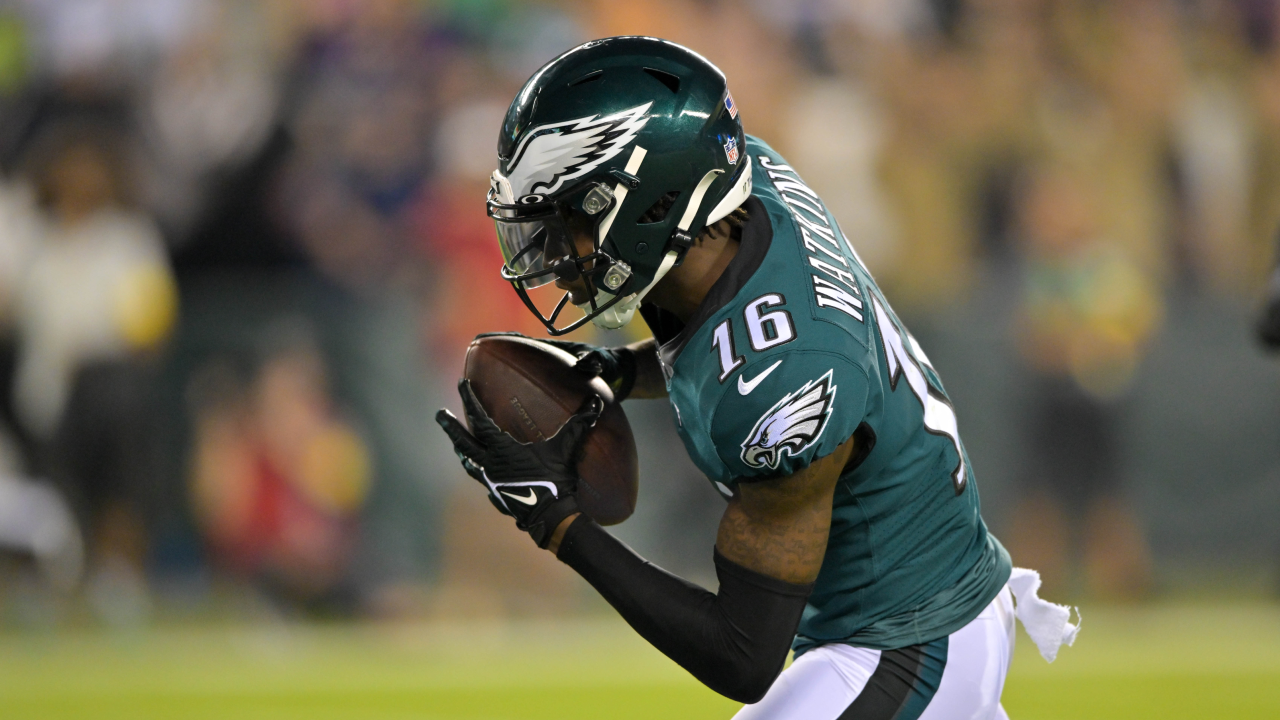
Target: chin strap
622,311
737,194
620,194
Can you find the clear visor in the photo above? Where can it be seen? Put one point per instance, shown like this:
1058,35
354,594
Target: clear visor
533,233
536,236
529,243
523,246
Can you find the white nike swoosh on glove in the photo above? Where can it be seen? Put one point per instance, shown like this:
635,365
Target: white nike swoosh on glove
745,388
532,498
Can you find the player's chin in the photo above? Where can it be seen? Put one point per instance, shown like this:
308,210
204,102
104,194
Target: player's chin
578,294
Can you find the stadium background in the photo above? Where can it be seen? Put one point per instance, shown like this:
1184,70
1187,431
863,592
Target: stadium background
243,247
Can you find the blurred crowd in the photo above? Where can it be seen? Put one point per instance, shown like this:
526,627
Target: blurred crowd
243,249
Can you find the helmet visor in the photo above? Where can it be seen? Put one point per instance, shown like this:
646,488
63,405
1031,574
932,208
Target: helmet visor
529,235
536,234
530,232
524,250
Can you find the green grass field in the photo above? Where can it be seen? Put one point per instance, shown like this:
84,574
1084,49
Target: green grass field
1165,662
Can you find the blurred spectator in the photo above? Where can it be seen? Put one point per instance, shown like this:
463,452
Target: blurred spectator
845,166
278,476
1087,313
95,301
206,110
1215,139
105,42
36,523
932,89
368,99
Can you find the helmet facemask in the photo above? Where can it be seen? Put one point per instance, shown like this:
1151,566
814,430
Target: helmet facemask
537,238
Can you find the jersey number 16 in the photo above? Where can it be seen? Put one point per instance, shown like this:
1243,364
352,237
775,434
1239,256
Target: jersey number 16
767,329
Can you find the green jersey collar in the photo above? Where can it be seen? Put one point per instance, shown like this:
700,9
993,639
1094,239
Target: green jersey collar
757,237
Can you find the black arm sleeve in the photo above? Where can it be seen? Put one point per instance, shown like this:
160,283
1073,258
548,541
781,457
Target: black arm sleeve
735,641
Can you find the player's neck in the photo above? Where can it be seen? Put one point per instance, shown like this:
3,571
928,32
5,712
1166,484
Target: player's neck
685,287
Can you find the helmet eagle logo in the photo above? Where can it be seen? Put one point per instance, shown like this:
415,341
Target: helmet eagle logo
791,426
550,155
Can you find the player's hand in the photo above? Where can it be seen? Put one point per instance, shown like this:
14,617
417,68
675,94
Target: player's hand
616,365
534,482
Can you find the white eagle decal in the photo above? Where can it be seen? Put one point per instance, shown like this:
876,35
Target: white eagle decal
790,426
550,155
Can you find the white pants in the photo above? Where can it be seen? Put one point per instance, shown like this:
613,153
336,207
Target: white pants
958,677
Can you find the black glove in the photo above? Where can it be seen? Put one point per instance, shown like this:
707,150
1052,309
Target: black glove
534,483
615,365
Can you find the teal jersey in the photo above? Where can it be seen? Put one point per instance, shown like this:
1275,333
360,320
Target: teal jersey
794,351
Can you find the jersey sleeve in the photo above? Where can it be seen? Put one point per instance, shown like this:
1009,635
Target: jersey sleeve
786,411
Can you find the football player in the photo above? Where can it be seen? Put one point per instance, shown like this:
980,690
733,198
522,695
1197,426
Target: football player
851,531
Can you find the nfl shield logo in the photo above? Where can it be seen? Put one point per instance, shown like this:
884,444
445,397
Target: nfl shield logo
731,150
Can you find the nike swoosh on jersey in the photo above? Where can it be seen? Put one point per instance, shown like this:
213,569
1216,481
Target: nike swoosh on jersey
745,387
532,499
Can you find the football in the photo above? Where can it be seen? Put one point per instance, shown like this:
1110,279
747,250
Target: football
530,388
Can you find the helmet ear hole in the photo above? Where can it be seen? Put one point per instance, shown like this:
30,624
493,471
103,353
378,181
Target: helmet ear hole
671,81
589,77
658,211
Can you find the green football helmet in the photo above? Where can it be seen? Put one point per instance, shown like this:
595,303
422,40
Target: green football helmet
597,144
